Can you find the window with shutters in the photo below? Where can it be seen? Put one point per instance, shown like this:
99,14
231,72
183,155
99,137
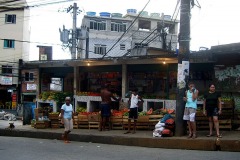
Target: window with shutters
29,77
100,49
6,70
98,25
118,26
9,43
122,46
10,18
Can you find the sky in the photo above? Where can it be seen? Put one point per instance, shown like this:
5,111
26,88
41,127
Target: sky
215,23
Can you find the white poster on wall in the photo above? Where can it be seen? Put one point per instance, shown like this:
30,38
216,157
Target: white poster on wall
31,87
6,80
180,77
185,68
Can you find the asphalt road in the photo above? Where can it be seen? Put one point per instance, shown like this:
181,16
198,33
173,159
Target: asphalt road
18,148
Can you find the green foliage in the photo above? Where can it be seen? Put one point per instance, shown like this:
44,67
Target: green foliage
56,96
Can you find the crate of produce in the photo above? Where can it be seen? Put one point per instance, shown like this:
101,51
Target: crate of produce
39,125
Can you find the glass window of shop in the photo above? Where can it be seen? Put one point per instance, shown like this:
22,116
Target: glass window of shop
92,78
153,81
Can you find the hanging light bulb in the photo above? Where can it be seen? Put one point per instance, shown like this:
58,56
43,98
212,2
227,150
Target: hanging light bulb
88,64
164,62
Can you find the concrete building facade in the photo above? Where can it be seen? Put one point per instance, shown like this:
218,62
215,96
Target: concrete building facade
14,45
136,32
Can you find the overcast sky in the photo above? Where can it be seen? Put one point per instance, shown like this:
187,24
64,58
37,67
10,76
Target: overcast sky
215,23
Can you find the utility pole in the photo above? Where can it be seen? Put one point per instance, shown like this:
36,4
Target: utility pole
183,56
74,30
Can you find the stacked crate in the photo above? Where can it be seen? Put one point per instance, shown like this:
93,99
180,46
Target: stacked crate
54,118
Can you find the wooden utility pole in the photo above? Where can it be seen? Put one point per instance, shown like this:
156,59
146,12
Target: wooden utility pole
183,55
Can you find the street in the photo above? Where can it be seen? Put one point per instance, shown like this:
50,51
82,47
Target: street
18,148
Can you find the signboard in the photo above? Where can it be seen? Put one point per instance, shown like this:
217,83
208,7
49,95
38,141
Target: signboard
31,87
14,105
6,80
14,101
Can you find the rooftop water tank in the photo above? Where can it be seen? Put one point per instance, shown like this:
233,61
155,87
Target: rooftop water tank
131,11
155,15
91,13
167,17
105,14
143,13
117,15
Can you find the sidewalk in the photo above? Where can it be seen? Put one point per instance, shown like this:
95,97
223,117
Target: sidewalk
229,142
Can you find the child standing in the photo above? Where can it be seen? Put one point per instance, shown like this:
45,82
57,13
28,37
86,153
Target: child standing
133,113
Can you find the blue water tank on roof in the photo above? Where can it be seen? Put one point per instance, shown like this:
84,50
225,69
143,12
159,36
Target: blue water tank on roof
91,13
131,11
105,14
117,15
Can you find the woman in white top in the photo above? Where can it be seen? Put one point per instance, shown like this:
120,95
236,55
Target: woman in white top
133,113
66,116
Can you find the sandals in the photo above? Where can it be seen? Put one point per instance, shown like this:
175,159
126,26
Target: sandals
219,136
127,132
209,135
194,136
190,135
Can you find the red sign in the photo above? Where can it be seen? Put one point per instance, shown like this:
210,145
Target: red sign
14,97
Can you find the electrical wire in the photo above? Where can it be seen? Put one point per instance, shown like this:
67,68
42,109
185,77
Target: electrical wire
130,26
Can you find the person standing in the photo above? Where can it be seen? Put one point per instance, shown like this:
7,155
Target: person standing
190,109
105,106
133,113
67,118
212,108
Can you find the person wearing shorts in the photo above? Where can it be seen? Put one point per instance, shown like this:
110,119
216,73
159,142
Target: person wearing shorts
212,108
133,112
66,117
190,109
105,106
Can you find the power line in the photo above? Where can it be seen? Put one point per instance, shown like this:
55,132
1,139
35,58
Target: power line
130,26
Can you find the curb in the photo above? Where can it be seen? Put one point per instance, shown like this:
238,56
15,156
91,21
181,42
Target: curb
167,143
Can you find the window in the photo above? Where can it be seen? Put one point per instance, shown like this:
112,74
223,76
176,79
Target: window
140,45
122,46
98,25
118,26
144,25
9,43
100,49
56,84
29,77
10,18
6,69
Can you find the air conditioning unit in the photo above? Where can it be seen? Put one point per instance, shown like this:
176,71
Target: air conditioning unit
43,57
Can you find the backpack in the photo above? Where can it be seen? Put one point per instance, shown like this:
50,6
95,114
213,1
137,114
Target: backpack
167,133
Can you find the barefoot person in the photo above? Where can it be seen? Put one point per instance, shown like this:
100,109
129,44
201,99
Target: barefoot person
105,106
190,109
66,116
133,113
212,108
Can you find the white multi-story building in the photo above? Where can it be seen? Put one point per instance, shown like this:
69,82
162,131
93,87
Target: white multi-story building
114,35
14,45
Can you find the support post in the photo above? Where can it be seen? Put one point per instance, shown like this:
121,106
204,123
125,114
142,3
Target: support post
124,79
184,43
